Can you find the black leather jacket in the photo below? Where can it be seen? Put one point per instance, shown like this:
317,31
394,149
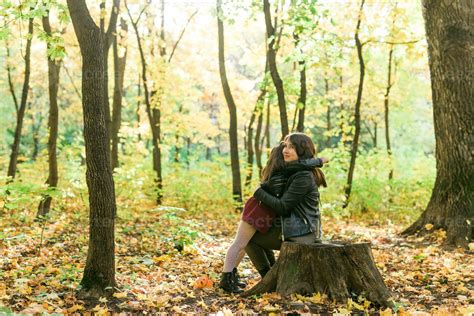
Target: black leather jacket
298,204
275,185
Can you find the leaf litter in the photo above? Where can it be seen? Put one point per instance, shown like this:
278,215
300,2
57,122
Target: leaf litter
170,261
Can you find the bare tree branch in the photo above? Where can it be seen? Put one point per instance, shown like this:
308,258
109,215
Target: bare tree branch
10,81
391,42
72,81
181,35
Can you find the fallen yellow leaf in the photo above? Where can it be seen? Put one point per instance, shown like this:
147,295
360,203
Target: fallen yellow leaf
468,310
271,308
386,312
103,300
119,295
75,308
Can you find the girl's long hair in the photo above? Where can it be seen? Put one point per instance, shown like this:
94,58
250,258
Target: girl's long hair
305,149
275,162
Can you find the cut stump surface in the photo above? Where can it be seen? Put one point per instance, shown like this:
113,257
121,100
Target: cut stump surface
339,270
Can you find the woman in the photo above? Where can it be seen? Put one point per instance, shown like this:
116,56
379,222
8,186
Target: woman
274,177
297,206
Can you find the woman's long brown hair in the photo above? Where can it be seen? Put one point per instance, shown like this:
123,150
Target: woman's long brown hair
305,149
275,162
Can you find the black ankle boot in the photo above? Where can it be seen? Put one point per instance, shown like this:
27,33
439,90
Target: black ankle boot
227,283
236,279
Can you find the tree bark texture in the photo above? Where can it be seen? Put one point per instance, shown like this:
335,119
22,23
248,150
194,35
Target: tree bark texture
53,124
21,109
449,31
119,74
99,272
234,150
355,141
339,270
271,55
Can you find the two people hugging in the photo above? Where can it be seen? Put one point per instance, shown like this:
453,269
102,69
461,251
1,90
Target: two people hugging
283,208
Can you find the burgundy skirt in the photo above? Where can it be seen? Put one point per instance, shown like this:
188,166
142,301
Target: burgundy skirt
258,215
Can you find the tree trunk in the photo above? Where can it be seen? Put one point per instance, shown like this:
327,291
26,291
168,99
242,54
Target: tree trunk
53,123
386,100
21,110
208,151
341,106
234,150
152,113
176,148
449,32
9,76
259,139
99,272
188,151
355,141
108,38
157,94
295,116
258,144
218,139
35,128
375,134
302,99
301,103
271,55
257,114
119,74
339,270
250,148
267,131
328,111
137,111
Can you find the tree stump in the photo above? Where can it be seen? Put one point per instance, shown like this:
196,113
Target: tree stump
339,270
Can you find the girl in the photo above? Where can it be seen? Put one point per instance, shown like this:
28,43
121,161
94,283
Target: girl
274,178
298,205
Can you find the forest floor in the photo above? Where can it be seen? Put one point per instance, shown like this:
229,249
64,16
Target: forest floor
170,260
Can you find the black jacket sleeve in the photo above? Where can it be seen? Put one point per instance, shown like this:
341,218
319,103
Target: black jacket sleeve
304,164
299,186
275,184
